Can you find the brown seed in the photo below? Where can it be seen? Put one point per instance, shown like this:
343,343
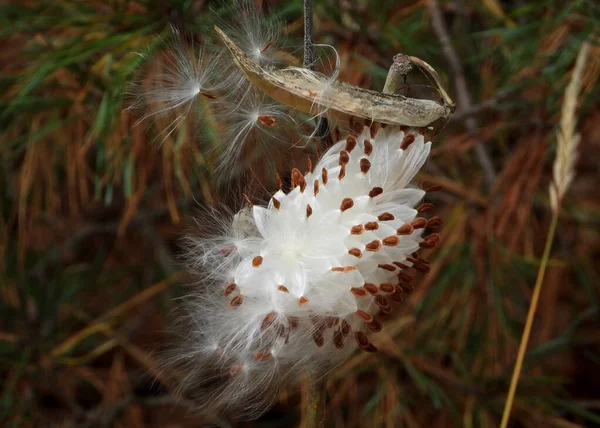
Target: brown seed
408,287
375,326
308,164
373,129
397,297
248,201
357,230
391,241
342,173
371,288
376,191
276,203
267,321
308,210
235,369
279,181
382,301
387,267
372,225
346,204
263,356
338,339
236,301
404,277
230,289
350,143
265,47
293,322
356,126
419,223
405,229
332,321
427,244
407,141
316,187
355,252
365,316
385,217
337,134
371,348
324,176
344,157
434,222
365,165
303,300
343,269
319,338
368,147
364,343
373,246
358,291
422,267
401,265
266,120
257,261
283,288
361,339
386,310
434,237
298,179
427,206
346,329
387,287
207,95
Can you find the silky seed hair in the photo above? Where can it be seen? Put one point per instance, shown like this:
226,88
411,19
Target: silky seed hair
299,284
178,78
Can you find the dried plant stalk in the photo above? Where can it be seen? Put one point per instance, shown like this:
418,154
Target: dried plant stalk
567,138
564,171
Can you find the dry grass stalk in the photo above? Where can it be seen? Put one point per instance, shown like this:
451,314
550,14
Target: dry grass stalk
568,139
563,173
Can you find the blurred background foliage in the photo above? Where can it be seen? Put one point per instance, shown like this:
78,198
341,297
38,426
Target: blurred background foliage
92,208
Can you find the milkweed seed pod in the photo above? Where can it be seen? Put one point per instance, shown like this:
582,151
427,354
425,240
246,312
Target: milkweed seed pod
299,284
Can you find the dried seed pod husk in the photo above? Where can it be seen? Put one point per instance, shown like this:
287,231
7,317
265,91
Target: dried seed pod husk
312,92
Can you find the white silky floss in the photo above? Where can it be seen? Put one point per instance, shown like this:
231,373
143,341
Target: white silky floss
296,286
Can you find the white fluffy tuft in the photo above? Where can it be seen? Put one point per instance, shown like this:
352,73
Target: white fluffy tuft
176,77
296,285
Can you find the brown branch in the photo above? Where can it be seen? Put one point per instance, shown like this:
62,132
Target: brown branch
462,92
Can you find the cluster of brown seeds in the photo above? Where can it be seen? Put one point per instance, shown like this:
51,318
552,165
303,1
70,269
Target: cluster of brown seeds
385,294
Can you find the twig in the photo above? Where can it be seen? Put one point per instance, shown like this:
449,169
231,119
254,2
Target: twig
322,131
489,104
309,44
315,402
462,92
